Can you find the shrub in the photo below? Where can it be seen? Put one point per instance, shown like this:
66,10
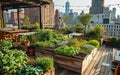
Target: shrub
73,42
86,49
45,62
94,43
81,43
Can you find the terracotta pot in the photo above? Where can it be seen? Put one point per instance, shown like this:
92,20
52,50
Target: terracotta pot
31,51
27,43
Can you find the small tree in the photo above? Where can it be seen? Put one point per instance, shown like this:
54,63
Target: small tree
26,20
67,19
85,19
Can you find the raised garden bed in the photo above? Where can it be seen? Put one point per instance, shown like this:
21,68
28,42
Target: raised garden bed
75,63
45,51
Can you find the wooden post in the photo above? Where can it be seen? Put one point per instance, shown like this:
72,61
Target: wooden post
41,26
18,18
3,21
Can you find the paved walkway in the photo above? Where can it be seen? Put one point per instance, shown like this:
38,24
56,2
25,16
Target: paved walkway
101,64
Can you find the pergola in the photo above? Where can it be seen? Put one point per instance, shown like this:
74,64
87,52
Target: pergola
17,4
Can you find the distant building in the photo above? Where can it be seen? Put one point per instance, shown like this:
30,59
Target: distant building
67,7
107,17
47,14
6,16
112,30
97,7
14,18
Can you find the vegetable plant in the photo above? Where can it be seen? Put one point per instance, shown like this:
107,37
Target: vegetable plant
10,60
69,51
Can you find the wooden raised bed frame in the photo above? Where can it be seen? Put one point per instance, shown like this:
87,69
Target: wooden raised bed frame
76,63
50,72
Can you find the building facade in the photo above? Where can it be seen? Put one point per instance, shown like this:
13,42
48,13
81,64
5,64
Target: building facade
107,17
47,12
112,30
6,16
14,18
67,7
97,7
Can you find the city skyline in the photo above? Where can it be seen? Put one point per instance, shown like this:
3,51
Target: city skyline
79,5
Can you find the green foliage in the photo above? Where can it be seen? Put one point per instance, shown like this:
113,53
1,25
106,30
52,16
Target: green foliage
86,49
98,29
44,35
94,43
26,20
37,26
68,30
44,44
67,19
113,40
79,28
5,44
23,38
10,60
45,62
96,32
73,41
85,19
31,70
69,51
48,38
81,43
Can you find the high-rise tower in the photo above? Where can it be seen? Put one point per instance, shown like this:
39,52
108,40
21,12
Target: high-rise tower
67,7
97,7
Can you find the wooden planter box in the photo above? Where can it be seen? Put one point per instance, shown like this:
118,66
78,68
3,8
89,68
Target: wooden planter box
77,63
45,51
50,72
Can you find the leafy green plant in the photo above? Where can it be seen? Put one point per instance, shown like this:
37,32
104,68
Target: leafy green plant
69,51
31,70
45,62
44,44
5,44
86,49
44,35
10,60
94,43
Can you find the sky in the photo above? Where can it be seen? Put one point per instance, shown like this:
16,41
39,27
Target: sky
79,5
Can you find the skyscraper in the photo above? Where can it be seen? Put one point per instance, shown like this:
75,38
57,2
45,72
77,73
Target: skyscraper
67,7
97,7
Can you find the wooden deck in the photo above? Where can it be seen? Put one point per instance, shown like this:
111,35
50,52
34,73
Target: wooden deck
101,64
